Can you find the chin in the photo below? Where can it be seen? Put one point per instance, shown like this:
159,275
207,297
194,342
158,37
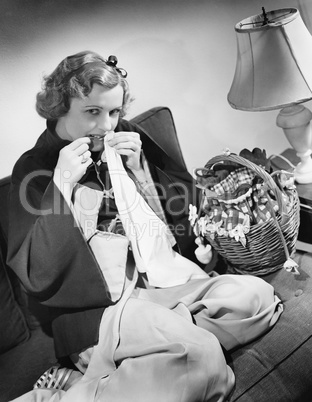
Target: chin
96,144
98,148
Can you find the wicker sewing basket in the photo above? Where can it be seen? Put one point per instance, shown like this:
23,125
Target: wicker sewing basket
269,244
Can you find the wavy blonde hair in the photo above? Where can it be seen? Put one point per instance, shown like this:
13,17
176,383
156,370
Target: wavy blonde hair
74,77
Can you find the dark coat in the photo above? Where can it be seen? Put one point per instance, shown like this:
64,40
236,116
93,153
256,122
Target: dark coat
50,255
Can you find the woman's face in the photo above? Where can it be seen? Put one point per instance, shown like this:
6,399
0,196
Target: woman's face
95,115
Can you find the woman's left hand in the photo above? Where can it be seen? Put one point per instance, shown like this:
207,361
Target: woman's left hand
128,144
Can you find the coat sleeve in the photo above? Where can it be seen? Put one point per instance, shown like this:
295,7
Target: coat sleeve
47,250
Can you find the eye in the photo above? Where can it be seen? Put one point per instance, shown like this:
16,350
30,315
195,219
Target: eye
115,112
93,112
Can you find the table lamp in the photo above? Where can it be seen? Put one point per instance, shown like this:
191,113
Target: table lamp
274,71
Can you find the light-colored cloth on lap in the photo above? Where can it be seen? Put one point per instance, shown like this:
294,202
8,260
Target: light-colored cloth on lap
150,349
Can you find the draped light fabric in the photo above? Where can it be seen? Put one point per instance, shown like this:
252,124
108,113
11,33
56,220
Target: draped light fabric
150,238
149,348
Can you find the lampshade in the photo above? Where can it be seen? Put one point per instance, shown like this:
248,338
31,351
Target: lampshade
274,61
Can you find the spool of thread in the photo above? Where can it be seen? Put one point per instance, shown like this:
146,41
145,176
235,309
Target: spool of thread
203,252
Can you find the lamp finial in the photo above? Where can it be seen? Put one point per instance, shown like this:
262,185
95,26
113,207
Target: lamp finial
265,17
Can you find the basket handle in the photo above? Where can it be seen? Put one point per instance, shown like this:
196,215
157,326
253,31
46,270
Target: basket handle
258,170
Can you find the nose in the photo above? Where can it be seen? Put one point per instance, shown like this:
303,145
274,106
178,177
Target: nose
104,122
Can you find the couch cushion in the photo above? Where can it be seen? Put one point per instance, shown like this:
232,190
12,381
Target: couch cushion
13,327
21,366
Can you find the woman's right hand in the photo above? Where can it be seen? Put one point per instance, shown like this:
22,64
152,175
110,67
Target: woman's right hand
72,163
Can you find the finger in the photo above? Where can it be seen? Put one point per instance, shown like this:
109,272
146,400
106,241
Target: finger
126,133
123,136
126,152
81,149
85,156
87,164
126,141
78,142
127,146
109,136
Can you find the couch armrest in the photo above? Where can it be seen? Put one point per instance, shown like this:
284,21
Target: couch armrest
4,192
159,125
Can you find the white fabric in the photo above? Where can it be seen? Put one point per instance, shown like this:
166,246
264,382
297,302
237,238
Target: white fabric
110,249
85,208
148,235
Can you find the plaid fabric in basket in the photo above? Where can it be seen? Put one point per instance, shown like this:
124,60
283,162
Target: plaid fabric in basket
229,187
229,217
238,204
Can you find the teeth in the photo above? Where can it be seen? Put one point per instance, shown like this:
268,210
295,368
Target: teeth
95,136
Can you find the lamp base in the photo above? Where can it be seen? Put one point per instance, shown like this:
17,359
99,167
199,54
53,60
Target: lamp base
303,171
295,121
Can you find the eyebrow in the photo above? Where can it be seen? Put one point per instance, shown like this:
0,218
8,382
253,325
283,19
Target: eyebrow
101,107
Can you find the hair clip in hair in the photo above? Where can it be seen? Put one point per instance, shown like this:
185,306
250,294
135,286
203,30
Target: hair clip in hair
112,62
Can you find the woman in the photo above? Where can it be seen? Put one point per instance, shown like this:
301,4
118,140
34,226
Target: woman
95,234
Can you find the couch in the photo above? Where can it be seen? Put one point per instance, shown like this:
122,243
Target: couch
277,367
